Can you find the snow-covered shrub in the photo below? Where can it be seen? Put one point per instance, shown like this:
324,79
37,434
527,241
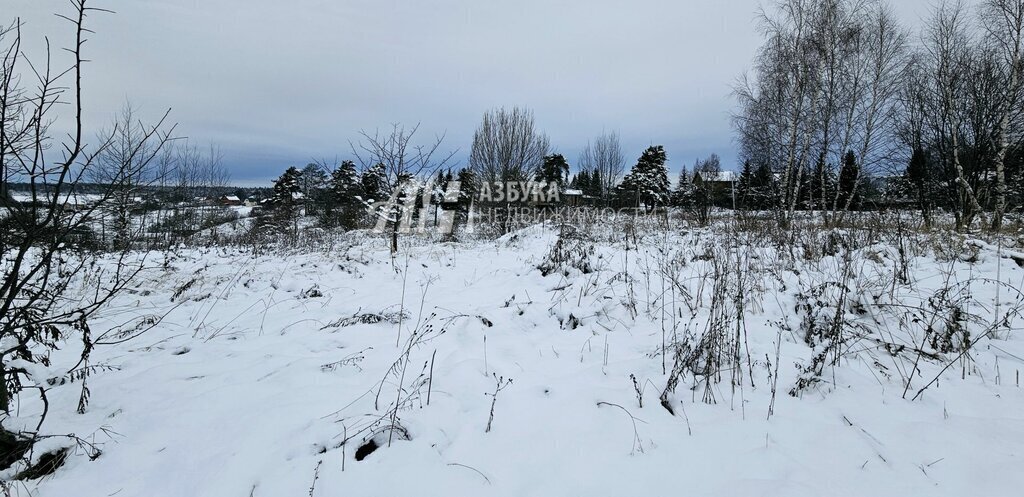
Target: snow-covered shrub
571,250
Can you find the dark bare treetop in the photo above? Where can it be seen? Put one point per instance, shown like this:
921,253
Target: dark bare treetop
604,155
400,155
507,146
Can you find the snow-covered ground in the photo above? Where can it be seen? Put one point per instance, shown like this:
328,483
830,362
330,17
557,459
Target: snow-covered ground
268,373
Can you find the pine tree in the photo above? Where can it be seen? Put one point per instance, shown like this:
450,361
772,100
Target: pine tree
375,184
313,186
345,189
287,188
284,201
554,169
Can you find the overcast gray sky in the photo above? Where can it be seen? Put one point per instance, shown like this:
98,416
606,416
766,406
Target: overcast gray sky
277,83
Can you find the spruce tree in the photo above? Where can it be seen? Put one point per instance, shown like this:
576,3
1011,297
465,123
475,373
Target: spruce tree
595,187
746,180
647,182
762,188
468,188
583,181
684,185
848,178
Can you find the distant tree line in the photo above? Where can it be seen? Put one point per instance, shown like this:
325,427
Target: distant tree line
840,91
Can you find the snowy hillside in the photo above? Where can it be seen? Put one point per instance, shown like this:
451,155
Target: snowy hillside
276,375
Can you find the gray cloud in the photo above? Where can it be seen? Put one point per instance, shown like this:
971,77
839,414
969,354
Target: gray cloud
278,83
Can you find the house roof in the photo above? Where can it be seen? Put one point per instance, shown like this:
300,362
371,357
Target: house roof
572,192
721,176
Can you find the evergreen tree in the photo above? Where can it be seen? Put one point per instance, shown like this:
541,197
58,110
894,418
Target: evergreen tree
574,183
554,169
848,177
345,189
762,188
468,188
313,186
287,188
706,192
820,186
468,191
647,182
595,188
439,186
684,186
746,180
284,201
375,184
921,180
583,181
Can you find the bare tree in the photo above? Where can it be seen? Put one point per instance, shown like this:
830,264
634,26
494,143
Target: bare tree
706,173
195,173
1003,22
881,53
403,161
43,237
401,156
825,83
507,146
604,155
125,167
12,101
780,108
947,50
911,131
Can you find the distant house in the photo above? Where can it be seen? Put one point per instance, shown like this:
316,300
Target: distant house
722,185
229,200
572,197
717,179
